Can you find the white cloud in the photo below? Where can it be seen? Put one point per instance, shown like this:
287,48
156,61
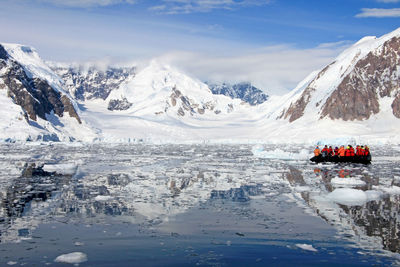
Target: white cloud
191,6
379,13
87,3
388,1
275,69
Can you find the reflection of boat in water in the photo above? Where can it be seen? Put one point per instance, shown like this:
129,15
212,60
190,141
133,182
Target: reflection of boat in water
336,159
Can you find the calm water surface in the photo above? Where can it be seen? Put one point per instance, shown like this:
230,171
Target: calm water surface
186,205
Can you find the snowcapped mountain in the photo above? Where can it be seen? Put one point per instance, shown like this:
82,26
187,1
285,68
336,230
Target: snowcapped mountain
356,97
90,81
362,82
244,91
34,103
160,89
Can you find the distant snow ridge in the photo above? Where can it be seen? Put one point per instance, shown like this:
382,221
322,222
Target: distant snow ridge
244,91
90,81
161,89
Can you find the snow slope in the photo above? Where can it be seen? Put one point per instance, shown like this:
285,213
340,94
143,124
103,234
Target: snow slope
21,66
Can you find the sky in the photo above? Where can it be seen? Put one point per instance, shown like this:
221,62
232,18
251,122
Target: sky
272,43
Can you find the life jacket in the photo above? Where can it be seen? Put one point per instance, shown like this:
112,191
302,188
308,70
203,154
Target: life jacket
359,151
342,152
351,152
336,151
330,151
366,152
317,152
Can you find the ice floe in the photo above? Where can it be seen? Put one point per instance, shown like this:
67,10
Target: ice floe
307,247
64,169
353,197
347,181
73,258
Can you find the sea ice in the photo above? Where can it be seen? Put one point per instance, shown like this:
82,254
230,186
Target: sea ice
65,169
259,152
347,181
353,197
73,258
103,198
307,247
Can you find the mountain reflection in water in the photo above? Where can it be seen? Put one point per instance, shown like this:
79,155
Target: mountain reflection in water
150,185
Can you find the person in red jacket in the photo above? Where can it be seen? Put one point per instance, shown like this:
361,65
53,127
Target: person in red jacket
366,151
352,154
325,151
330,151
362,151
349,151
336,151
358,151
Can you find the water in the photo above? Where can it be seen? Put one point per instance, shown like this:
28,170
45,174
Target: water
186,205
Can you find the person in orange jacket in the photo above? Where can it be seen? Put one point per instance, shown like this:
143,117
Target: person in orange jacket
317,152
341,151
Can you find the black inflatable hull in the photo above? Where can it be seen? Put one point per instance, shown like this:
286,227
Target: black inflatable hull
362,160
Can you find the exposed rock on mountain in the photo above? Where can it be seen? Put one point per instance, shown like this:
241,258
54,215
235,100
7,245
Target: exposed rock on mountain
244,91
34,94
355,85
160,89
92,82
117,104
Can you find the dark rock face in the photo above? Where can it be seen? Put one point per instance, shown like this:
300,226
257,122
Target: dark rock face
3,53
244,91
296,110
34,95
396,106
187,105
92,83
377,75
117,104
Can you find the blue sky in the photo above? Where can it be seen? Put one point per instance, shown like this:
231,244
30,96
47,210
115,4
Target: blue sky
273,43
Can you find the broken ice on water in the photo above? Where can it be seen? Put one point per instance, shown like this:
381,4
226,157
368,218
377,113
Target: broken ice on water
249,193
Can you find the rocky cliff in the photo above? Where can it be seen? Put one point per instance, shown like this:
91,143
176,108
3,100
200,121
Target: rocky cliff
34,94
86,82
355,85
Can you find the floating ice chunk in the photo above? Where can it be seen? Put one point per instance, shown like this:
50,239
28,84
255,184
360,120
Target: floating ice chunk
393,190
65,169
12,263
73,258
302,188
347,181
353,197
307,247
103,198
258,151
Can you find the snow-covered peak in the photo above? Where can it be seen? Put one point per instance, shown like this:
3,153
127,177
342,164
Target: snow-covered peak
339,74
33,65
158,88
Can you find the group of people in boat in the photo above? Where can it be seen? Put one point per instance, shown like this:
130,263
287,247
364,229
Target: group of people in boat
360,154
